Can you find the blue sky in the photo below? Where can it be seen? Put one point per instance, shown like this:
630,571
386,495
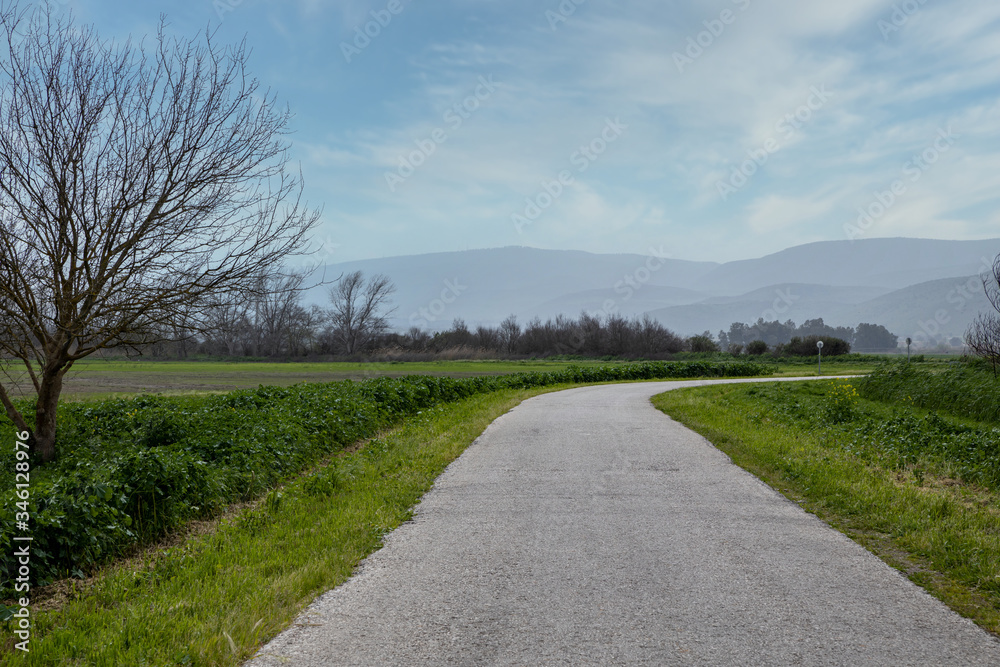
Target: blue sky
719,130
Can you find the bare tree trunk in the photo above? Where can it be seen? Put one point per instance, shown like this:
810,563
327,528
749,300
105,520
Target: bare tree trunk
45,411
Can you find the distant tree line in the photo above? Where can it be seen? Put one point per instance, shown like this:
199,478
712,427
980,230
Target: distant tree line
780,336
587,335
270,321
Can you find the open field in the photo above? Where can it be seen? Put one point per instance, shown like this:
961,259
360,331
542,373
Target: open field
101,378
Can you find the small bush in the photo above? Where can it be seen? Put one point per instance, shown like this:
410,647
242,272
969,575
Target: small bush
756,348
841,404
702,344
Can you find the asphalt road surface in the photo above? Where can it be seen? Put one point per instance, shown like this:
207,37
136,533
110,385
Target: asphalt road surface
584,527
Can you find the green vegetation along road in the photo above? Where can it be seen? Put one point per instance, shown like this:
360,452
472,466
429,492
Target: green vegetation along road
584,527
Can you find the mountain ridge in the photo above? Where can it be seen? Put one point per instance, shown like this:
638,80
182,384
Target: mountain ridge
837,280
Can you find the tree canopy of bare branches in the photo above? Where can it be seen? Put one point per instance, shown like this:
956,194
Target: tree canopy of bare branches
983,335
983,338
137,183
358,315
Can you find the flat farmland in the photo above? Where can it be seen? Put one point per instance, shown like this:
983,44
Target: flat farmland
102,378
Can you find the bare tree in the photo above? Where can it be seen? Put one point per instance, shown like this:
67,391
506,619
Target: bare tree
227,325
417,339
275,307
991,284
487,338
983,338
357,315
983,335
510,332
135,183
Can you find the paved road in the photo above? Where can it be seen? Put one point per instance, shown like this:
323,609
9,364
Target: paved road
586,528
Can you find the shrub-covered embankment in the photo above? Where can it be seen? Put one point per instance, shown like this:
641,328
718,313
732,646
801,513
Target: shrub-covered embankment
965,389
129,470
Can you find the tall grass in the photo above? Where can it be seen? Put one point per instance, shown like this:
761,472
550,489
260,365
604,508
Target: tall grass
965,389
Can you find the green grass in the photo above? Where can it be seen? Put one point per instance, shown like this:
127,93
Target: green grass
215,598
903,501
964,388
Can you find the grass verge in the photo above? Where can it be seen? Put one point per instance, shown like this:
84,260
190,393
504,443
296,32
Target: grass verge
213,599
942,533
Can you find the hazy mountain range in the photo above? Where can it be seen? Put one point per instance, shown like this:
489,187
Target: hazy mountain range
924,289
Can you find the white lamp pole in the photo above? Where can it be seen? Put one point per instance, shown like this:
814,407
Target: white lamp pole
819,346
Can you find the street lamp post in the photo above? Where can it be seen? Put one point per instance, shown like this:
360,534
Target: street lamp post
819,346
908,341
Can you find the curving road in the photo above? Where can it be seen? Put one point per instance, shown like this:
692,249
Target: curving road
584,527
